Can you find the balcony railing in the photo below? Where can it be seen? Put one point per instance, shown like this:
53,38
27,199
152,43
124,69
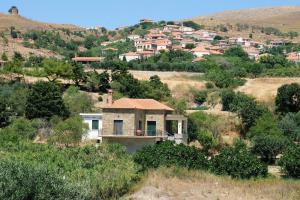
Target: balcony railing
141,133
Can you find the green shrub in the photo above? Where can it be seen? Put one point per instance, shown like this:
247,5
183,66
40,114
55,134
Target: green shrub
269,146
107,172
200,96
100,98
290,126
23,181
290,161
207,140
169,154
238,162
209,85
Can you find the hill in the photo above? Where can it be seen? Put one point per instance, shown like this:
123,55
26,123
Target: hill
23,24
286,18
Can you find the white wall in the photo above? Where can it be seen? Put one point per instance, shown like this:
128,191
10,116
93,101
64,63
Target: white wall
92,134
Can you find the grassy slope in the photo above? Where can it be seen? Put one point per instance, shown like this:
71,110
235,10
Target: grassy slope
182,184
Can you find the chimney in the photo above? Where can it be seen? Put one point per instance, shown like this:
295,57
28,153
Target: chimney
109,99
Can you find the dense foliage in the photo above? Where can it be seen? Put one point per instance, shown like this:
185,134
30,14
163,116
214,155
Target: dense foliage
169,154
20,180
44,101
238,162
290,161
288,98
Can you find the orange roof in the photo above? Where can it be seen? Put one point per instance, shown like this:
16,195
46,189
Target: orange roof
87,59
141,104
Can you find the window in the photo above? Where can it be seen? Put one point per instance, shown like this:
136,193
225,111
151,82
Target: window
95,124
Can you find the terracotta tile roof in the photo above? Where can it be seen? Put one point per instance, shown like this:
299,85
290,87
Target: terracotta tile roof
141,104
130,54
87,59
294,56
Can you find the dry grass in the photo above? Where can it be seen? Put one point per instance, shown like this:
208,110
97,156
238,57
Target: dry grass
265,89
182,184
285,18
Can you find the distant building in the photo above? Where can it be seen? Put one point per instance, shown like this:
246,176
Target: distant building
87,60
294,57
130,56
13,10
146,21
133,37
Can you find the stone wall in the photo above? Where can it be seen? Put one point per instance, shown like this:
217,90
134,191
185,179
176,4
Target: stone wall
128,117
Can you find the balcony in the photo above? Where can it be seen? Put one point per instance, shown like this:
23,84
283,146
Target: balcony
139,134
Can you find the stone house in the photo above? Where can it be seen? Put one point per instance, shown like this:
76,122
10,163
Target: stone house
139,122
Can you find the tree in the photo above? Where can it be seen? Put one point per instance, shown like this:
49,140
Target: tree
70,131
79,75
237,51
267,124
55,69
288,98
290,126
18,57
190,46
104,80
192,25
269,146
290,161
44,101
89,41
238,162
77,102
4,57
5,112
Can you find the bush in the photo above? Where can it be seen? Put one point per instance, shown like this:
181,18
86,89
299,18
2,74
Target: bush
269,146
288,98
21,128
169,154
77,102
70,131
290,161
267,124
23,181
106,172
207,140
238,162
200,97
290,126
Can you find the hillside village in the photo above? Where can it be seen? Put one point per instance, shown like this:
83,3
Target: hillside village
156,110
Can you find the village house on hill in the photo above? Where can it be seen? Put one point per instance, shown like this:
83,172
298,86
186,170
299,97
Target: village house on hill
136,123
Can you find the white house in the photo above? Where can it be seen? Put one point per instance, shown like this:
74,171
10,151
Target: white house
133,37
94,120
130,56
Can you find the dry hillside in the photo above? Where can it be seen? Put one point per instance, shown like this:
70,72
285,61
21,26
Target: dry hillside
285,18
22,23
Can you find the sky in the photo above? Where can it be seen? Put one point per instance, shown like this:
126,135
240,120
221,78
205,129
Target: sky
116,13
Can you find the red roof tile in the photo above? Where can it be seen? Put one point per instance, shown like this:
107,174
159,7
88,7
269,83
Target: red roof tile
141,104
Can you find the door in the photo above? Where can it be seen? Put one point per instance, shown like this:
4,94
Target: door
151,128
118,127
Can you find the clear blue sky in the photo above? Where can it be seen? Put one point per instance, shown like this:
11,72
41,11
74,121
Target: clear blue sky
115,13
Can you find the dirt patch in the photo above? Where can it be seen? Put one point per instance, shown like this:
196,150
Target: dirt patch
182,184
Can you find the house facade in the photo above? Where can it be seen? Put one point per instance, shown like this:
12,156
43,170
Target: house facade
139,122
